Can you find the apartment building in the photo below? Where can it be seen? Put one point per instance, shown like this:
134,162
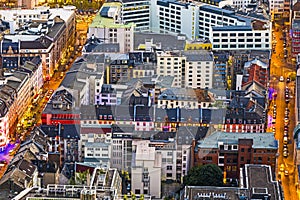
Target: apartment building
8,113
210,16
119,68
17,92
240,37
121,145
295,37
256,70
174,17
146,169
172,64
228,30
191,69
220,70
108,26
85,79
97,150
232,151
198,69
50,33
137,12
184,98
276,8
107,95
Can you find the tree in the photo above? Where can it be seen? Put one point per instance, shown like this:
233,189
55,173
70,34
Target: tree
204,175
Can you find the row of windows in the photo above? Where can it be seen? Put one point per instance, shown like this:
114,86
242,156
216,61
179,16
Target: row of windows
167,10
238,34
240,46
240,40
213,16
169,29
168,24
168,15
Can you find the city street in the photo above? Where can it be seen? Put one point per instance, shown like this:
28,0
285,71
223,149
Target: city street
49,87
280,67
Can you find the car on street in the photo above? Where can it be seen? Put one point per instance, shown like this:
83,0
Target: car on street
285,140
281,167
286,172
285,153
281,79
286,112
288,79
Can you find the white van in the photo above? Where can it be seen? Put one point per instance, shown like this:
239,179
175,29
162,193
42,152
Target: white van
285,140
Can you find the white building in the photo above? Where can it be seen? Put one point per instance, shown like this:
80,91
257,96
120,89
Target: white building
199,69
18,17
137,12
108,26
172,63
184,98
210,16
98,150
36,75
174,17
146,169
241,37
121,154
191,69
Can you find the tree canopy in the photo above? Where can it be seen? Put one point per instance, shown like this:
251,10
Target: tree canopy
204,175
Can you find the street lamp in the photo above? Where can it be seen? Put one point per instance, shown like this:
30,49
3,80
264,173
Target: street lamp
134,110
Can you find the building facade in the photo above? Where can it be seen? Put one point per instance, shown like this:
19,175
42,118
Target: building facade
137,12
231,151
108,26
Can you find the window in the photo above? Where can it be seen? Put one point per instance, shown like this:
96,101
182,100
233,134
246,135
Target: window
169,167
137,191
242,150
242,159
233,168
208,158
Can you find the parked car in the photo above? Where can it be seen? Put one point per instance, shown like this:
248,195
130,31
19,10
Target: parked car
285,153
285,140
281,79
